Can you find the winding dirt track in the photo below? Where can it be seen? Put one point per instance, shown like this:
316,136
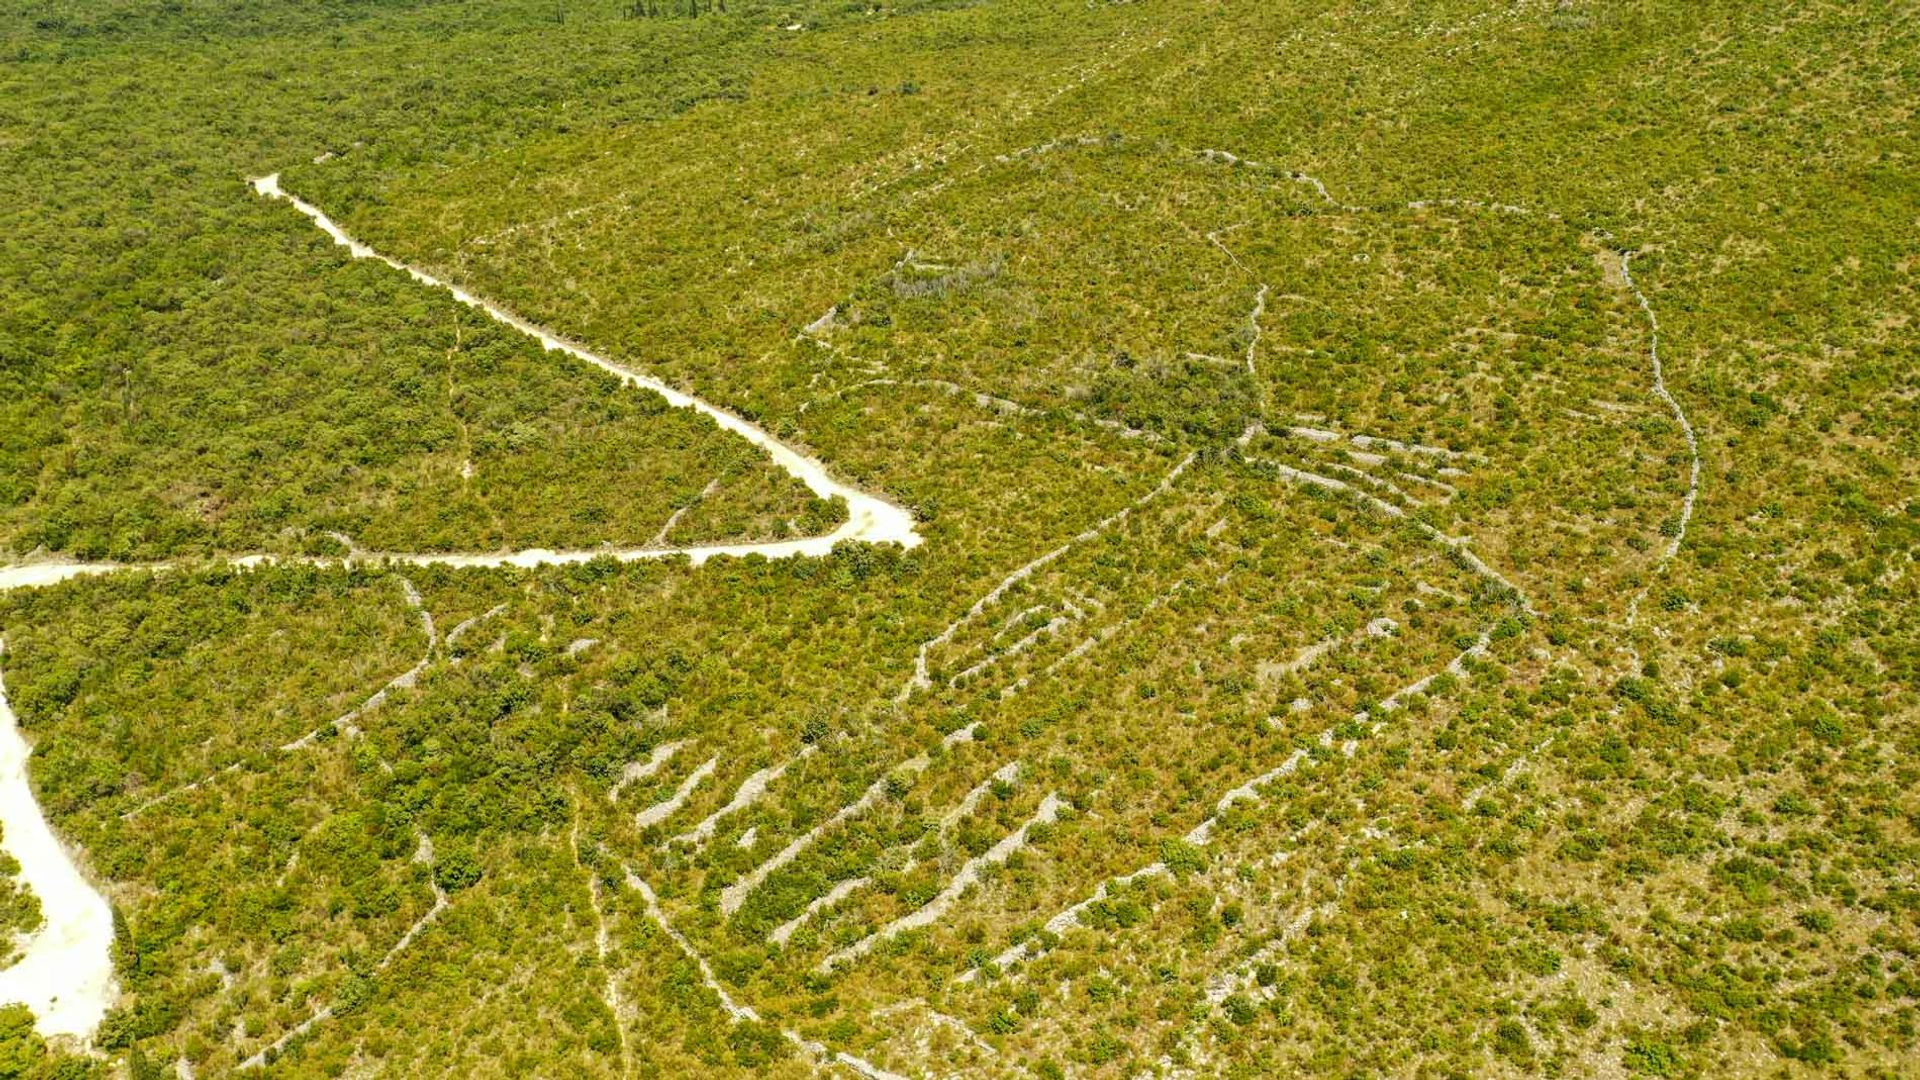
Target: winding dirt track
66,974
869,517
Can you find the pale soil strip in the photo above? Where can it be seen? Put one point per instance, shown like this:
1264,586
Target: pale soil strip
1052,627
640,770
1311,655
1070,918
1006,774
603,946
736,894
1680,416
968,876
183,789
1015,619
1312,434
920,679
822,324
1302,660
1229,158
751,790
345,722
424,854
1042,148
840,891
1479,204
940,1019
459,630
735,1011
1322,435
1214,239
1520,765
51,572
1099,606
1460,546
955,1024
1202,833
1101,636
1066,920
1225,984
1259,297
1253,323
1244,975
280,1044
1456,668
859,1066
440,904
65,970
1387,486
1430,482
403,681
666,808
1395,445
1121,429
660,538
624,199
986,401
1301,476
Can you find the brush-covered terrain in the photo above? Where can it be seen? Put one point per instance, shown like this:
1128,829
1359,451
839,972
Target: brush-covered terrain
1418,500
